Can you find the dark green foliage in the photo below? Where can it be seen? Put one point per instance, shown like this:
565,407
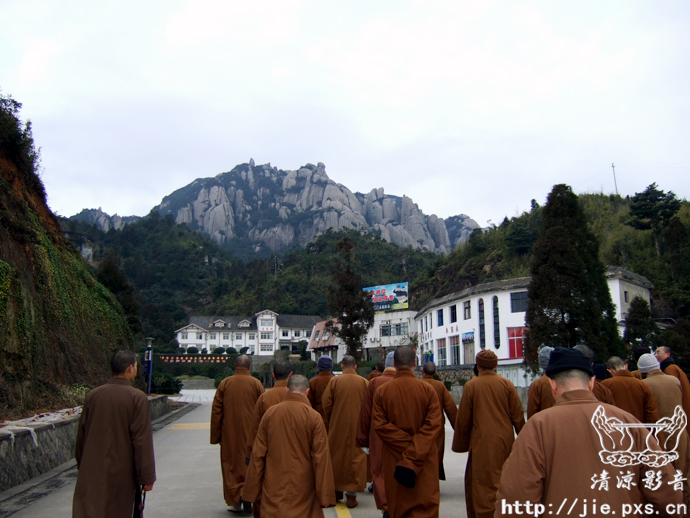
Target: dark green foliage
218,350
570,301
652,210
192,350
677,337
110,276
165,384
640,328
347,301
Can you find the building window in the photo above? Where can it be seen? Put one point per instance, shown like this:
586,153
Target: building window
440,317
467,312
252,336
297,334
286,334
516,341
226,336
454,342
431,321
399,329
212,336
238,336
200,336
497,325
266,336
308,334
325,336
625,296
453,314
266,347
316,335
385,330
482,325
183,336
441,347
266,323
518,302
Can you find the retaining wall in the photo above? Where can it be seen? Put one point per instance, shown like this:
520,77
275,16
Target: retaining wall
26,452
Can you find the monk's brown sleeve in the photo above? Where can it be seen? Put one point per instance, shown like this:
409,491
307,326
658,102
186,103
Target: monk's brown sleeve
257,466
463,422
449,407
417,453
327,401
81,432
321,464
254,426
217,415
394,437
517,413
312,394
142,442
651,410
533,400
364,424
522,478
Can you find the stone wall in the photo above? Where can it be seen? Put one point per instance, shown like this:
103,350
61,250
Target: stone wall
28,451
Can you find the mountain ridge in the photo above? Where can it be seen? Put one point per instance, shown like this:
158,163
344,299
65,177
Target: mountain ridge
267,209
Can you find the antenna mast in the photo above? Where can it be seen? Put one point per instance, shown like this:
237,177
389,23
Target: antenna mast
613,166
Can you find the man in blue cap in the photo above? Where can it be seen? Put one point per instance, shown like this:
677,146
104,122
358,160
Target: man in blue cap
573,451
318,384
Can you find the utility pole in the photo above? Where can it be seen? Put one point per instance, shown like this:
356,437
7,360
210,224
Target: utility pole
613,166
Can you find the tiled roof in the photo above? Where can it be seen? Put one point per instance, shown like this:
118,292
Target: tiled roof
207,322
298,321
617,271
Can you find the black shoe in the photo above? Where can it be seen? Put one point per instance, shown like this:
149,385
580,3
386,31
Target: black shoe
371,488
246,506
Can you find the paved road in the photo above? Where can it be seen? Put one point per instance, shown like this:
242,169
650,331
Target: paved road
189,480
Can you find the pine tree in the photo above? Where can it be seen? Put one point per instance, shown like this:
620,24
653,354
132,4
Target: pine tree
348,302
640,328
110,276
652,210
569,297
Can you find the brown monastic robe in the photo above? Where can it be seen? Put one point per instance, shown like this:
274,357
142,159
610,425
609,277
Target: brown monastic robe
317,386
114,450
539,396
342,402
668,395
448,406
373,374
490,410
290,469
636,374
407,417
633,395
555,459
266,400
367,436
677,372
231,417
602,393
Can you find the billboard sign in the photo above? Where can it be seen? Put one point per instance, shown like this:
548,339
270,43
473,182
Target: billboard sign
389,296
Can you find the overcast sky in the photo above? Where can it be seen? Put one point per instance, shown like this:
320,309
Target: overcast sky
466,107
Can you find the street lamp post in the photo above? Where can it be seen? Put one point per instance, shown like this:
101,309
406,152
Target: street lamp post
148,365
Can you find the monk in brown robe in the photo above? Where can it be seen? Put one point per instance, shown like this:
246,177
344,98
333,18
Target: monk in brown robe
378,370
231,418
556,458
668,395
318,384
630,394
407,417
490,410
367,436
114,449
600,392
290,469
282,370
447,405
540,395
668,366
342,402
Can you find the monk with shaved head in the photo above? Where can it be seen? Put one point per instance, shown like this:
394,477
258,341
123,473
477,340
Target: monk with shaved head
231,419
407,417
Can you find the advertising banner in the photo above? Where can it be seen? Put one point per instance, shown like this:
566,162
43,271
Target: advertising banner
389,296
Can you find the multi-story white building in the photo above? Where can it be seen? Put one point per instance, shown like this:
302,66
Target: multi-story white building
262,334
454,328
390,329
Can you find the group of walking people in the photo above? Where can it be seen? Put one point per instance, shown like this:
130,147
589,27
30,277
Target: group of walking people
304,445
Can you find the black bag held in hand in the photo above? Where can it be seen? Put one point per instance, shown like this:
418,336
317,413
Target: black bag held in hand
139,501
405,476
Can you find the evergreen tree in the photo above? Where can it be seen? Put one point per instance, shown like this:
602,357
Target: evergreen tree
570,301
640,329
348,302
652,210
110,276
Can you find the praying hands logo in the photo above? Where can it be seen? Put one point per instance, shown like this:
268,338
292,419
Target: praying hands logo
617,442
